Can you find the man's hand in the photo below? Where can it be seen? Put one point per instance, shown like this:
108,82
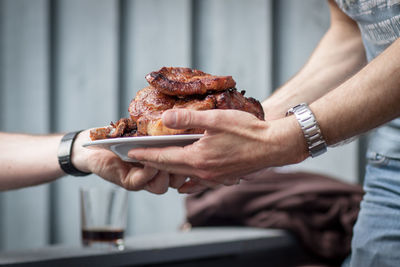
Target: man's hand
131,176
235,144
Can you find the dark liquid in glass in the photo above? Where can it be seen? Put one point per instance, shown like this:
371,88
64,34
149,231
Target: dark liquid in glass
102,235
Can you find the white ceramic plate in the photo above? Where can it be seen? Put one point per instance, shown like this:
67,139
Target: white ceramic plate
121,146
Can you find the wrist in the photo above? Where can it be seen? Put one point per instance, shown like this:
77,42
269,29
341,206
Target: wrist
298,144
65,151
80,154
273,111
288,140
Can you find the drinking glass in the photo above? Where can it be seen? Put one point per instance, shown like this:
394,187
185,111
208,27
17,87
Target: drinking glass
103,216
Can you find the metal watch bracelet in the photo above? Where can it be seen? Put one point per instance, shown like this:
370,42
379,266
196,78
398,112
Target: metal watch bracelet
309,126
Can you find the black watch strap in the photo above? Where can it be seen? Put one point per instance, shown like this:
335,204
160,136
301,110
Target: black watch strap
65,153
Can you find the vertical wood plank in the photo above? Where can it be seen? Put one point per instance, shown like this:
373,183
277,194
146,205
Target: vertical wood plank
86,90
300,26
25,81
24,104
234,38
157,35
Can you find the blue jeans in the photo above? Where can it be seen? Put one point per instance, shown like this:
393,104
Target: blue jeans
376,238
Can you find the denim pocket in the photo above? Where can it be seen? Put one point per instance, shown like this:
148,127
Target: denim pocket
377,159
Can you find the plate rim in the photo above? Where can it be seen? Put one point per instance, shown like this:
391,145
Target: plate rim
134,139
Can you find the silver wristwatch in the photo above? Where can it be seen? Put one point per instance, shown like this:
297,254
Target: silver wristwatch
309,126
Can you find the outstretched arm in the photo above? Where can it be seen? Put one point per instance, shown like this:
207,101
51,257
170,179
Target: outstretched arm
28,160
369,99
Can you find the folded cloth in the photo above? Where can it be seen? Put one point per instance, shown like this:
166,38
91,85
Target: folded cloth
319,210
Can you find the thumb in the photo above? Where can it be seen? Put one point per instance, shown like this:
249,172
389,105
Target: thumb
204,119
183,118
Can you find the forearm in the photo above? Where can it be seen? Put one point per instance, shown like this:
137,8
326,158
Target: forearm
370,98
28,160
338,56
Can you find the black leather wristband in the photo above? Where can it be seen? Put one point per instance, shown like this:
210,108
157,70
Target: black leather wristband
65,153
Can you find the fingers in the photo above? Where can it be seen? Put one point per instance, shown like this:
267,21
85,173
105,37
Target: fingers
136,164
159,184
196,185
176,181
156,154
137,178
205,119
185,161
191,186
207,183
158,181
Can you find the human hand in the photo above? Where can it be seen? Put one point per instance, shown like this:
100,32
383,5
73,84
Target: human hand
235,144
131,176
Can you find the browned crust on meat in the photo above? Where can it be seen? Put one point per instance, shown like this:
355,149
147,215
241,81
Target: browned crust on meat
232,99
186,81
149,104
149,120
100,133
149,100
124,127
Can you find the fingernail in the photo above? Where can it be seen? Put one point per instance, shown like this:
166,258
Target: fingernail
169,118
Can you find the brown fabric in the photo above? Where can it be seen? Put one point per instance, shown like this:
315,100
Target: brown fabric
319,210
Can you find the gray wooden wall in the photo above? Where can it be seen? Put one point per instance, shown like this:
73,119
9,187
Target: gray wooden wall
74,64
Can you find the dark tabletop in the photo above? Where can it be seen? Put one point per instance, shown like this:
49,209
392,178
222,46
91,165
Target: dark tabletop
212,246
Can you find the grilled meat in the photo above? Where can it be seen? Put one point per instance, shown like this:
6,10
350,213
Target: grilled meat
185,81
173,88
